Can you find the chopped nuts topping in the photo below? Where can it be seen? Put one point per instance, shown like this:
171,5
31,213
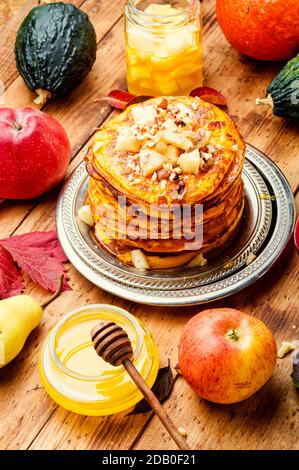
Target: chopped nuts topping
163,104
163,174
208,158
210,162
202,164
180,191
174,176
211,148
178,170
182,113
168,166
165,144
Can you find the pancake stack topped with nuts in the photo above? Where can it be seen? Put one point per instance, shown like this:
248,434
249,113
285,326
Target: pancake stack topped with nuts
162,173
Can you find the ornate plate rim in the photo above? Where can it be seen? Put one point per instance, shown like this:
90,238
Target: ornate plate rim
217,289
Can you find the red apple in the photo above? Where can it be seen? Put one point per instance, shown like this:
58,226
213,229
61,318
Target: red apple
34,153
226,355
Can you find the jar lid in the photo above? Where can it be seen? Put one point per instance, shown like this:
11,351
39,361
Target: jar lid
78,379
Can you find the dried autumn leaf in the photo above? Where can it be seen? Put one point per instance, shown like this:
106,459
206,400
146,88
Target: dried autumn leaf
11,282
210,95
40,255
121,99
162,388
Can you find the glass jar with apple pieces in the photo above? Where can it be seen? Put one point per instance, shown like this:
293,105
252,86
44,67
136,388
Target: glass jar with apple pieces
163,47
79,380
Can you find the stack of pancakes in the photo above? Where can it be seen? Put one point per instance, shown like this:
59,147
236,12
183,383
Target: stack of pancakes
141,176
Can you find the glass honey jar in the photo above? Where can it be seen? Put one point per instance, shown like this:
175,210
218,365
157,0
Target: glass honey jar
163,47
79,380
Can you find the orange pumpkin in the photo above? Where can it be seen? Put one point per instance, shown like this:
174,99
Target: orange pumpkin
261,29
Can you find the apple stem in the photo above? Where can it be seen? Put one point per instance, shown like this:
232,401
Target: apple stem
56,294
233,334
17,126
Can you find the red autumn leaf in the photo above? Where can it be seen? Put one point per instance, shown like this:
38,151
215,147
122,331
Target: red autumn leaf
121,99
11,282
40,255
210,95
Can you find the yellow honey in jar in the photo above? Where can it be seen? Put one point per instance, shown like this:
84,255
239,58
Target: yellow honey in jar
79,380
163,47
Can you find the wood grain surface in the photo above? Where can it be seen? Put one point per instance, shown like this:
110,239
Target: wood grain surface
29,419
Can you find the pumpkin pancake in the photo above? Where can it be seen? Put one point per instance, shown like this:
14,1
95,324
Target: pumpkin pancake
122,169
159,157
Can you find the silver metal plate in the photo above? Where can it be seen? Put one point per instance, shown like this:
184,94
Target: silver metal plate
267,226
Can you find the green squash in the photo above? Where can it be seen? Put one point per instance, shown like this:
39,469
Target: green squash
283,92
55,49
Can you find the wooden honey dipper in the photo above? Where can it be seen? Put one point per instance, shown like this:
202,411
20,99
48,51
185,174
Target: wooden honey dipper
113,345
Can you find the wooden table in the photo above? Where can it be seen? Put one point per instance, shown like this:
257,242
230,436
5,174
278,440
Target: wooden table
268,420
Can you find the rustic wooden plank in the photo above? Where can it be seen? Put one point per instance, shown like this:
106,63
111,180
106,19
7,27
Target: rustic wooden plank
79,125
269,419
42,218
9,9
204,421
7,41
103,15
11,214
19,95
245,117
248,79
27,402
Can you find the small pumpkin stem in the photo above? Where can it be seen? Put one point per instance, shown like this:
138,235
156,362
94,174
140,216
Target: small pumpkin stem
42,96
268,101
56,294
